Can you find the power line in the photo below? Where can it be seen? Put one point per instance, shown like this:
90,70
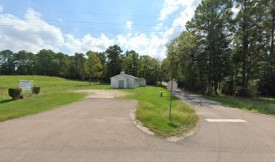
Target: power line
97,23
98,14
89,29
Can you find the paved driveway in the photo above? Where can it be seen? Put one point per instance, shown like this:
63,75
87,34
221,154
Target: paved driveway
101,130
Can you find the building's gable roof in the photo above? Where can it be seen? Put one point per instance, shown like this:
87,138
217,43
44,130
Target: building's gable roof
118,77
128,76
122,76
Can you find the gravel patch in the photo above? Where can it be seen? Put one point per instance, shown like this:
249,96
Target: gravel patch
102,93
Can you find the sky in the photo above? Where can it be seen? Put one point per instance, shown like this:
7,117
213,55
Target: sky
70,26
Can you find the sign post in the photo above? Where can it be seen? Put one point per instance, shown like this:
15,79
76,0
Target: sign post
170,111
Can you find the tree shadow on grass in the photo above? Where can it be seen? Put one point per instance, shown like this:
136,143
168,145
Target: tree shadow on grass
6,101
172,124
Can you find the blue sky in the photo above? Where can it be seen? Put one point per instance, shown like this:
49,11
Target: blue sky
71,26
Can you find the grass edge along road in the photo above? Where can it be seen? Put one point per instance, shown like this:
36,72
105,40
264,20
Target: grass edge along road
153,112
55,92
260,105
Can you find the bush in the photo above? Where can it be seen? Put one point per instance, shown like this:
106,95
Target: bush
35,90
267,85
15,93
159,84
243,92
227,88
253,86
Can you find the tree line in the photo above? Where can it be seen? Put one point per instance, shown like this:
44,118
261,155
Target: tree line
93,66
225,51
220,51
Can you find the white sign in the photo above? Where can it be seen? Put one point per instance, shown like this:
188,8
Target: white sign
25,84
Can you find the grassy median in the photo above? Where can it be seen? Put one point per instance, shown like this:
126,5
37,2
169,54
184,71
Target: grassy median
152,109
153,112
260,105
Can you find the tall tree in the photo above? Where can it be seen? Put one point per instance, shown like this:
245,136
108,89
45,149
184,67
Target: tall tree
77,70
63,62
185,54
7,66
212,25
44,59
25,63
253,39
113,60
150,69
165,70
93,66
130,63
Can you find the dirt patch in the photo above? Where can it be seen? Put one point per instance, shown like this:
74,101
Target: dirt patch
92,93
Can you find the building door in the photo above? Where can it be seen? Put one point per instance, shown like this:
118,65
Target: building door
121,84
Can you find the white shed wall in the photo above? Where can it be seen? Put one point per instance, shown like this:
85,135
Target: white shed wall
131,83
114,83
142,82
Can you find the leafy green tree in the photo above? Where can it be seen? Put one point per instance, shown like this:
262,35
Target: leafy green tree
63,62
253,42
7,66
185,55
44,60
150,69
77,70
114,66
25,63
212,25
130,63
93,66
165,70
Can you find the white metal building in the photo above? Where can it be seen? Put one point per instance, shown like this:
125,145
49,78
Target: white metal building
142,82
123,80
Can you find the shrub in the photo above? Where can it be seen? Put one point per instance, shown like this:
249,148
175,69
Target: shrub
243,92
35,90
227,88
15,93
267,85
253,86
159,84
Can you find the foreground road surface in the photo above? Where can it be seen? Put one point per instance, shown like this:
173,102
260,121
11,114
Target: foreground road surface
102,130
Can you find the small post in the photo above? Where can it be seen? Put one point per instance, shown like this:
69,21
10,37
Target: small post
170,111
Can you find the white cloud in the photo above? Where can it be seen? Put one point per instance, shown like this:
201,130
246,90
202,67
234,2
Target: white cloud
155,44
129,24
31,33
152,45
87,43
171,6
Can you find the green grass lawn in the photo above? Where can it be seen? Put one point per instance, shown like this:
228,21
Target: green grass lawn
54,93
153,112
260,105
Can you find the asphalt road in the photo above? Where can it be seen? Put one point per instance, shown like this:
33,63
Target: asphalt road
102,130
